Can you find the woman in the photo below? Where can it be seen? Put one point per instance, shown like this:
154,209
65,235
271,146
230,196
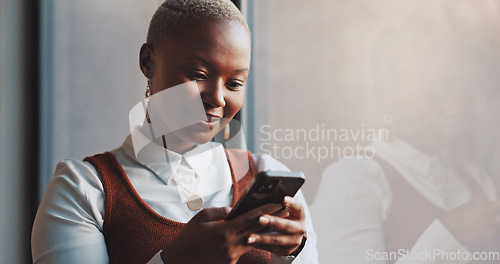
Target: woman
165,201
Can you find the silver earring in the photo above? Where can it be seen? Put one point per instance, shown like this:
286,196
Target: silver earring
227,131
388,121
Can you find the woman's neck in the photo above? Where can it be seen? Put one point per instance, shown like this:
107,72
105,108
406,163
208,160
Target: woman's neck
173,143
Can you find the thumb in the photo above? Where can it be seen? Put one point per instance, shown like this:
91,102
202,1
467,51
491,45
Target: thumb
212,214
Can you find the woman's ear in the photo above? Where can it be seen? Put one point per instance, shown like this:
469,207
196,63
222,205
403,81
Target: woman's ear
146,61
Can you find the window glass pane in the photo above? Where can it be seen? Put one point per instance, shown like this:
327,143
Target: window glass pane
91,76
336,65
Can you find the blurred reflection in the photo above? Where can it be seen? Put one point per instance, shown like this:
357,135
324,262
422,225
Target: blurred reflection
426,196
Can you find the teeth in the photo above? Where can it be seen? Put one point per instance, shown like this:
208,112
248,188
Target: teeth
212,119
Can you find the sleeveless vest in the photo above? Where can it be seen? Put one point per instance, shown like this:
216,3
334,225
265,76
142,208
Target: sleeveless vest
134,232
411,213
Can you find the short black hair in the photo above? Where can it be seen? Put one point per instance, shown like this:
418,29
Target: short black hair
174,14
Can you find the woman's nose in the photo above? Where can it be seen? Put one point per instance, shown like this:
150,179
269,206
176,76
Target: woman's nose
213,94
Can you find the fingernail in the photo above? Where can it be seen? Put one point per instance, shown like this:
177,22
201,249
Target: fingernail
263,220
251,239
287,200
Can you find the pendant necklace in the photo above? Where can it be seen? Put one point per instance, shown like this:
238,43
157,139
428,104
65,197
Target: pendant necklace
194,201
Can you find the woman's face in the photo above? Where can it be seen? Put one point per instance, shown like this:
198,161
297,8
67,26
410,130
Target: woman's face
215,54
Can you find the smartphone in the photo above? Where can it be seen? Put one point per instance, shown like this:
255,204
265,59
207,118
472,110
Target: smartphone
268,187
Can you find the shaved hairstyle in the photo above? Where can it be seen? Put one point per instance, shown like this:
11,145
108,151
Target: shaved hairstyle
172,15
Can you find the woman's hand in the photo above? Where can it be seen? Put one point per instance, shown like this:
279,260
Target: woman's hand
205,239
287,229
476,225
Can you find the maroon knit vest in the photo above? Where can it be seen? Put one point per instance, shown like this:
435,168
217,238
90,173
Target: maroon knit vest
411,213
134,232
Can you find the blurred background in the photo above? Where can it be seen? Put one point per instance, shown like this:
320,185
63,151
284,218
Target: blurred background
69,76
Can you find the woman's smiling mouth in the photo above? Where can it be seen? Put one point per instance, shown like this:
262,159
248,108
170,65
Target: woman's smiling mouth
211,121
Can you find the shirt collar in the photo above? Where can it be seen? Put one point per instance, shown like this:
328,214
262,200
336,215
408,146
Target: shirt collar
160,161
163,162
201,156
403,153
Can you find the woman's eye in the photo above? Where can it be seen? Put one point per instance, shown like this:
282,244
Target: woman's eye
198,76
234,85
